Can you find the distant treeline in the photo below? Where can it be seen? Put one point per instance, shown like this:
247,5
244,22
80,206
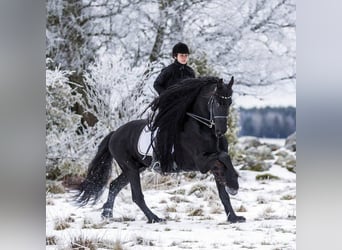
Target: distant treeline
267,122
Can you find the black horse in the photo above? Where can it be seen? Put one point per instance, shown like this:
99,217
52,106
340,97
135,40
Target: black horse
189,120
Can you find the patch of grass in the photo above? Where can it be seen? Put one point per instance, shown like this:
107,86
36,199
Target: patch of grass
282,230
51,240
197,188
196,212
262,177
62,224
141,241
87,223
248,247
156,181
178,199
83,243
180,191
173,244
241,209
291,217
237,242
288,197
265,243
167,229
171,209
55,187
206,218
98,225
190,175
258,167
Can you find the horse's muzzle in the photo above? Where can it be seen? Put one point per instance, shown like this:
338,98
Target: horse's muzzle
231,191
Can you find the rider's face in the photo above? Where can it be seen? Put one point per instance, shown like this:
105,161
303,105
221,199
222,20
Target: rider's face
182,58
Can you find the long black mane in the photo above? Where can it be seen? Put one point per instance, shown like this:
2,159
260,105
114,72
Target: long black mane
169,111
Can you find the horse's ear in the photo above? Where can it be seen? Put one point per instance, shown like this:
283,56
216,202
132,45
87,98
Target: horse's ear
220,83
230,84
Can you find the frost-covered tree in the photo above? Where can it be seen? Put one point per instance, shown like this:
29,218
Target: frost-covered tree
252,40
62,141
117,92
77,31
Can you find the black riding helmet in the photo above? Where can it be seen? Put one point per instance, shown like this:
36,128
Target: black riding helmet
181,48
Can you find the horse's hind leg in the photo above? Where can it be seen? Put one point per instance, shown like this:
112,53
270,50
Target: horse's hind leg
138,196
115,187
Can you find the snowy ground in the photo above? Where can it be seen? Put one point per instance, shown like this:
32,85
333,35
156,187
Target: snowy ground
194,213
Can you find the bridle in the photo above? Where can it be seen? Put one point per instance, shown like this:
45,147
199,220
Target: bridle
211,121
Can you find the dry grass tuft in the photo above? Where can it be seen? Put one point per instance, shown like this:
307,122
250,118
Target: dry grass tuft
55,187
141,241
86,243
171,209
288,197
178,199
83,243
51,240
62,224
241,209
197,189
262,177
196,212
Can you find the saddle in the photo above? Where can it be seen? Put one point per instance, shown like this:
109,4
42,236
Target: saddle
145,147
145,144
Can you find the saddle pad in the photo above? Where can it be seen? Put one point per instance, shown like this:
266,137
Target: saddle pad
144,142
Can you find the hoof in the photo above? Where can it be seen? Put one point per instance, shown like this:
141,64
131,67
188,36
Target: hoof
236,219
155,220
107,213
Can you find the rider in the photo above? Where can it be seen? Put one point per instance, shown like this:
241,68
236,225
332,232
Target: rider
176,71
171,75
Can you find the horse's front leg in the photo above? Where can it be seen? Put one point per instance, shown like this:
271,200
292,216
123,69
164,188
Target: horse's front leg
138,197
231,216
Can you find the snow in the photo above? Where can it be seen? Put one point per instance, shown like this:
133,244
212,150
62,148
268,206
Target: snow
195,218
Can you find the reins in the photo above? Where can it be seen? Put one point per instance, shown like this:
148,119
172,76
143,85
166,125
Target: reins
211,121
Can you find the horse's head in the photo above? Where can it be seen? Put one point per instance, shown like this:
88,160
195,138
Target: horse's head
219,106
226,175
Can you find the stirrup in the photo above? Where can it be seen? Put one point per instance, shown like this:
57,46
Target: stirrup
156,167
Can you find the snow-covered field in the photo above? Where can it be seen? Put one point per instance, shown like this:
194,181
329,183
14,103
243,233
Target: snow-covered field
194,213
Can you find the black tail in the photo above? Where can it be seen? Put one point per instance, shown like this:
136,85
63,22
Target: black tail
99,172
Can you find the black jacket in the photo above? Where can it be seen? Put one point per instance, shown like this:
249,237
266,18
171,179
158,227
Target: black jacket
171,74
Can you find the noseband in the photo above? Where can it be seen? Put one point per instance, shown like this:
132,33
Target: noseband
211,121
